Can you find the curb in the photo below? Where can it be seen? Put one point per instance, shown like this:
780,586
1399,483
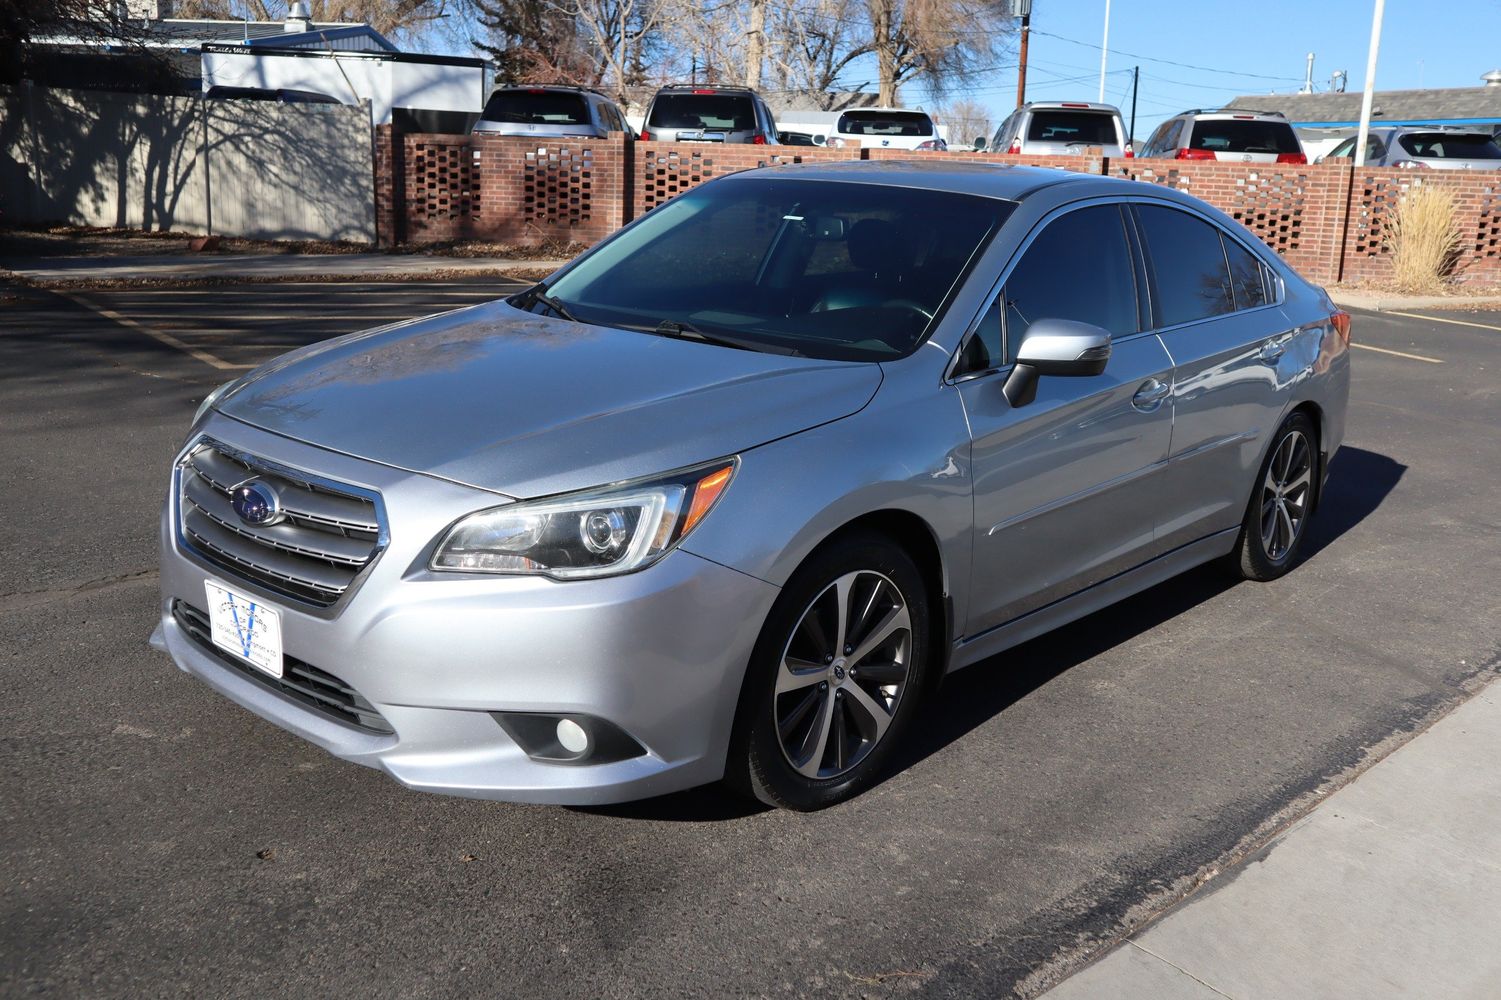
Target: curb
1385,302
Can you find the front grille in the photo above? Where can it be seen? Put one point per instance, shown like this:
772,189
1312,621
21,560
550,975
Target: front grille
302,682
312,555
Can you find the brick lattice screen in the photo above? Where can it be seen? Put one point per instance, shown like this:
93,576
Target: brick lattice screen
1327,221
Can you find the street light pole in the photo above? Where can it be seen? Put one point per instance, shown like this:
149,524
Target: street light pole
1370,85
1104,51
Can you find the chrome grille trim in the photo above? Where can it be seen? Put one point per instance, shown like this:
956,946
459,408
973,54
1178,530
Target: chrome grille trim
331,535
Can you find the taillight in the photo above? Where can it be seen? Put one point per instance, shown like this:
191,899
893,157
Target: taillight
1341,322
1195,154
645,136
1291,158
1130,153
758,139
930,144
1409,164
705,91
1016,146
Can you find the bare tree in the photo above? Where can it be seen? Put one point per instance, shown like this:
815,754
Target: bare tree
942,42
23,21
532,41
966,120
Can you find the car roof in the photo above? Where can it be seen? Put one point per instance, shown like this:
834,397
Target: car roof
1071,106
1222,114
704,88
566,88
884,109
988,180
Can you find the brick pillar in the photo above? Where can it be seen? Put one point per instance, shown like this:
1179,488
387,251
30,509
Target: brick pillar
390,187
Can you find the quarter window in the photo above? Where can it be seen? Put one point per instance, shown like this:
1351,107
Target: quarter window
1245,275
1192,280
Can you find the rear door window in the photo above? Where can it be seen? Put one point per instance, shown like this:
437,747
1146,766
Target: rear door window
892,123
1450,146
1191,279
1244,136
537,107
728,112
1090,128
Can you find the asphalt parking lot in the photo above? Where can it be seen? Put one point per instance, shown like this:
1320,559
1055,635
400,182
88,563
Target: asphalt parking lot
160,840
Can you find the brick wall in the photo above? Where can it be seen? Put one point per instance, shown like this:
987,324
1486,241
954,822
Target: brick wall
1323,218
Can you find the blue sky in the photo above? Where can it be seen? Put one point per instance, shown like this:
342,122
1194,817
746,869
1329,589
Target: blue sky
1432,43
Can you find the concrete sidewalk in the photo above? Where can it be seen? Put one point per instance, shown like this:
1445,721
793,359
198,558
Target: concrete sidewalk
1390,888
256,267
1349,298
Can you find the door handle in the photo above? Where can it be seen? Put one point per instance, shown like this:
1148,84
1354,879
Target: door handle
1151,394
1271,351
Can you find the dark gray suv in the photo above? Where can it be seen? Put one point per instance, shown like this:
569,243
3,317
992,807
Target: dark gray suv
691,113
551,111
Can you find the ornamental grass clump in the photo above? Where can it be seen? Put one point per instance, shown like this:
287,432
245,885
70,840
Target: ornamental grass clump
1423,239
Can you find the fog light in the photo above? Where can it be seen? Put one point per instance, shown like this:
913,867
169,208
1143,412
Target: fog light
572,736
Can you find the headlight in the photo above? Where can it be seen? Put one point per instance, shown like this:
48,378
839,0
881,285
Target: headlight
597,533
210,400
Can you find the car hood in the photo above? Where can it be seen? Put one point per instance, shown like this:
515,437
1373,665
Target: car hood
527,405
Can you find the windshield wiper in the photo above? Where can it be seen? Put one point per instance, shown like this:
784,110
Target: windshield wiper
682,330
538,294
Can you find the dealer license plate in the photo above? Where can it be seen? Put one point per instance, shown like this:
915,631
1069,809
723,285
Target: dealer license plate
245,627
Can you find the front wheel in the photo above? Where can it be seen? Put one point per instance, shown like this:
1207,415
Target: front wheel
1276,519
835,677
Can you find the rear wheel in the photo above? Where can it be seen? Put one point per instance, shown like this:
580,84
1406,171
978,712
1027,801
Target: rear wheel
835,676
1271,536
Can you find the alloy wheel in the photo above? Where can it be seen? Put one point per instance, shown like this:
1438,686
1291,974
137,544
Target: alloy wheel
842,674
1285,495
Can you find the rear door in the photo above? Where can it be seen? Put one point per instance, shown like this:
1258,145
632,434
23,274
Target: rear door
1245,139
1070,131
1214,306
1066,487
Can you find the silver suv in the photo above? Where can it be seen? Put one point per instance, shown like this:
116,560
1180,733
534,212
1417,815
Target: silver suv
1229,135
712,113
551,111
1062,128
1434,146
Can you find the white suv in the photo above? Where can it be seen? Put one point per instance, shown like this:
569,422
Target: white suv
887,128
1230,135
1062,128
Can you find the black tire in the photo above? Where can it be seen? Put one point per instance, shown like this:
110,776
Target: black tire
758,765
1258,556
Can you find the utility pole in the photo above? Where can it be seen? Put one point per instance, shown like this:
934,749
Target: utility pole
1370,85
1135,79
1104,51
1023,7
755,44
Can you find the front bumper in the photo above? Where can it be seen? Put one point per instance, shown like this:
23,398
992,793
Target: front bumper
660,653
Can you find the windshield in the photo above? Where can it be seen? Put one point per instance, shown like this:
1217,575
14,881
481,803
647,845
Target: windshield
1450,146
905,123
536,107
1242,136
832,270
713,111
1087,127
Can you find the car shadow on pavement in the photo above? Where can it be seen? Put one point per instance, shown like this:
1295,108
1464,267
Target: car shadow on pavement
1358,484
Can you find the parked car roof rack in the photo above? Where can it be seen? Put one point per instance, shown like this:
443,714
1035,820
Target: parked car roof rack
706,86
1244,111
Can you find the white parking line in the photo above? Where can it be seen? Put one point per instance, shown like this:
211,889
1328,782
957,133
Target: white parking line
1400,354
1440,319
165,338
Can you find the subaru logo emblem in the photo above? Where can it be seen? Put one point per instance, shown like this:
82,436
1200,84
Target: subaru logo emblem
256,503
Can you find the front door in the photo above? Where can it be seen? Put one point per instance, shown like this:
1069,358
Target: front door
1065,487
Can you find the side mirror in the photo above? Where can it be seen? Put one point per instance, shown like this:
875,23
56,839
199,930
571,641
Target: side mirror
1056,347
980,144
1319,158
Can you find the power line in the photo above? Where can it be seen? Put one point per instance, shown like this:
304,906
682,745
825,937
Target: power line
1169,62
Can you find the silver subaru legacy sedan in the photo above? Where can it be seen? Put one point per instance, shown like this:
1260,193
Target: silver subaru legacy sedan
728,495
